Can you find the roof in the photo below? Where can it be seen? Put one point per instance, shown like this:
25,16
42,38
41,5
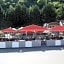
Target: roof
53,23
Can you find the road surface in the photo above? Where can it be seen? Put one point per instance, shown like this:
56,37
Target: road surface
39,55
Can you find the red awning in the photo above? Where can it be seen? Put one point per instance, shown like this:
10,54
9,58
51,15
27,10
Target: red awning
9,30
32,28
57,28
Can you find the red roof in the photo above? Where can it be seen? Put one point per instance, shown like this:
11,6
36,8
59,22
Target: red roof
32,28
57,28
9,30
53,23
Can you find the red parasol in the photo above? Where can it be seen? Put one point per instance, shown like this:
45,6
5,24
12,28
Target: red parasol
32,28
9,30
57,28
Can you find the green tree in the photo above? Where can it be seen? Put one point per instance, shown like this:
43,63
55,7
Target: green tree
3,23
1,13
48,14
19,16
61,1
58,7
14,15
61,17
1,2
34,14
10,9
41,3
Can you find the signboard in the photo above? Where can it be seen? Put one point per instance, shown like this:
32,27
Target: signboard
28,44
2,45
15,44
58,42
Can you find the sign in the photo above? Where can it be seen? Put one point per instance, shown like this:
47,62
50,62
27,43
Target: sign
2,45
58,42
28,44
15,44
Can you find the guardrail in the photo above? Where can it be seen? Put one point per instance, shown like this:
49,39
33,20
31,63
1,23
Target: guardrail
18,44
54,42
33,43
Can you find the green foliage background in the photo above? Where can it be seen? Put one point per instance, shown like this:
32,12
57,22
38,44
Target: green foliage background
17,13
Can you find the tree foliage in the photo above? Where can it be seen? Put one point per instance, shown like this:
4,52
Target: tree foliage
17,13
48,13
41,3
34,14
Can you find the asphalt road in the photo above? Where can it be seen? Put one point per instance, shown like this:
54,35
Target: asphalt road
21,50
38,55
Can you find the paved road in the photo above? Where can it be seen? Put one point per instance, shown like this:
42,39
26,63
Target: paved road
39,55
42,48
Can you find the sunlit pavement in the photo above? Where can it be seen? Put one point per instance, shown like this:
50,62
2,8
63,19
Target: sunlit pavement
39,55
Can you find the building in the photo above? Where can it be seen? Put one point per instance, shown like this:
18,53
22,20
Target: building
61,22
51,24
